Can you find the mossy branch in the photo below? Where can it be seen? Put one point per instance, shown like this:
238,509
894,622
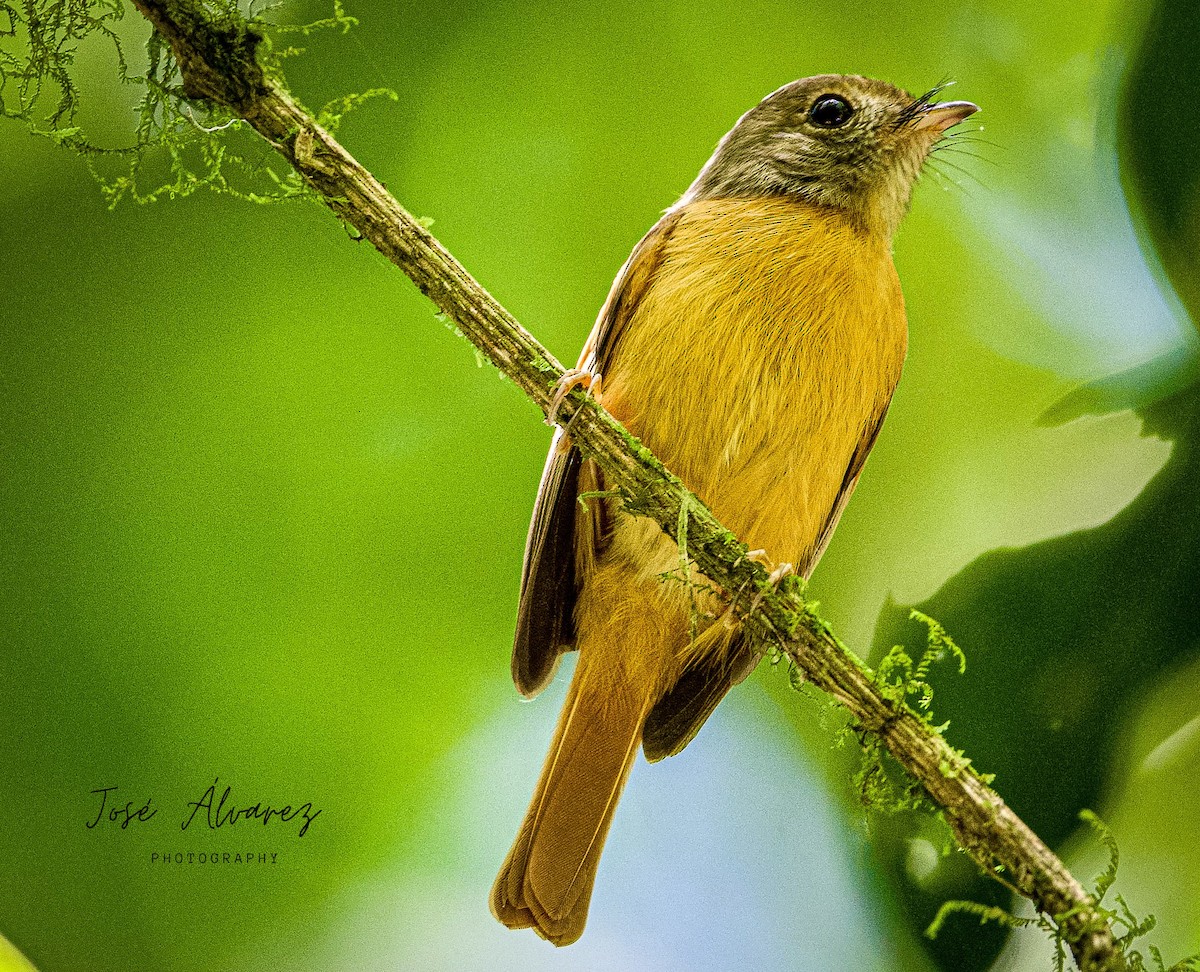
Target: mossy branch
217,60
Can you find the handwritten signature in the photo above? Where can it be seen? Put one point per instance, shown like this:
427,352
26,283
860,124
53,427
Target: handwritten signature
218,811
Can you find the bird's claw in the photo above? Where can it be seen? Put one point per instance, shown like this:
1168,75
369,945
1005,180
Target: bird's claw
777,573
572,379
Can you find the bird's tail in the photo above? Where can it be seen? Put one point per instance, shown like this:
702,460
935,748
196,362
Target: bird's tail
546,881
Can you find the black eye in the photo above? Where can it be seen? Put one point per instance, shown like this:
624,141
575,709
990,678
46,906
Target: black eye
830,111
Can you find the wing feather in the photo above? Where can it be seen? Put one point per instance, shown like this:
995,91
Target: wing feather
549,580
849,481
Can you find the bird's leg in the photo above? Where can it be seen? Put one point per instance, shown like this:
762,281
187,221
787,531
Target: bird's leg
572,379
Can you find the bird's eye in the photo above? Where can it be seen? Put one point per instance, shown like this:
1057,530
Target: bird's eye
830,111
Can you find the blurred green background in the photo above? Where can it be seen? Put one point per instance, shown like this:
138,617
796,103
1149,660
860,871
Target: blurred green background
263,515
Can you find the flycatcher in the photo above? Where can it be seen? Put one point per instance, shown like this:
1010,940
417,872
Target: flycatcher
752,341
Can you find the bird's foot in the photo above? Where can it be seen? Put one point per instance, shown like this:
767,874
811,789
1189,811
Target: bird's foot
572,378
777,573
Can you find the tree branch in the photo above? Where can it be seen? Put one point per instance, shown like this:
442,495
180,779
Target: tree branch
218,64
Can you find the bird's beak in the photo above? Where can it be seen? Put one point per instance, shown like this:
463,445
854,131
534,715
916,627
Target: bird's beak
938,118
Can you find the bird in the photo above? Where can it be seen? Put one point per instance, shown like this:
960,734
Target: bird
752,340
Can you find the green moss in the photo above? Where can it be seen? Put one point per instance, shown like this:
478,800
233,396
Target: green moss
330,118
984,913
882,786
1104,881
952,767
339,18
1065,928
199,143
907,682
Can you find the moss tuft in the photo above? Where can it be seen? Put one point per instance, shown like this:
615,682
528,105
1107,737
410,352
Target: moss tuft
182,140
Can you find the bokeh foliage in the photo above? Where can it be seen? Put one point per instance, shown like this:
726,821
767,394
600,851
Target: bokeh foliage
1069,635
265,516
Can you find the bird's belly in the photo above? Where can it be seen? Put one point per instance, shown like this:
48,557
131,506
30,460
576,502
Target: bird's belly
759,389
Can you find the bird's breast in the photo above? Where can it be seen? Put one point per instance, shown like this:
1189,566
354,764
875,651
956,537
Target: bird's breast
768,343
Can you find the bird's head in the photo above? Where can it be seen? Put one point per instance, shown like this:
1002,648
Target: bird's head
835,140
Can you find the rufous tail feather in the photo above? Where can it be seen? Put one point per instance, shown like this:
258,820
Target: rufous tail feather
546,880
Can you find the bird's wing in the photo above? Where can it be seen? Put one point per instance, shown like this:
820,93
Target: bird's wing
563,534
849,481
676,718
